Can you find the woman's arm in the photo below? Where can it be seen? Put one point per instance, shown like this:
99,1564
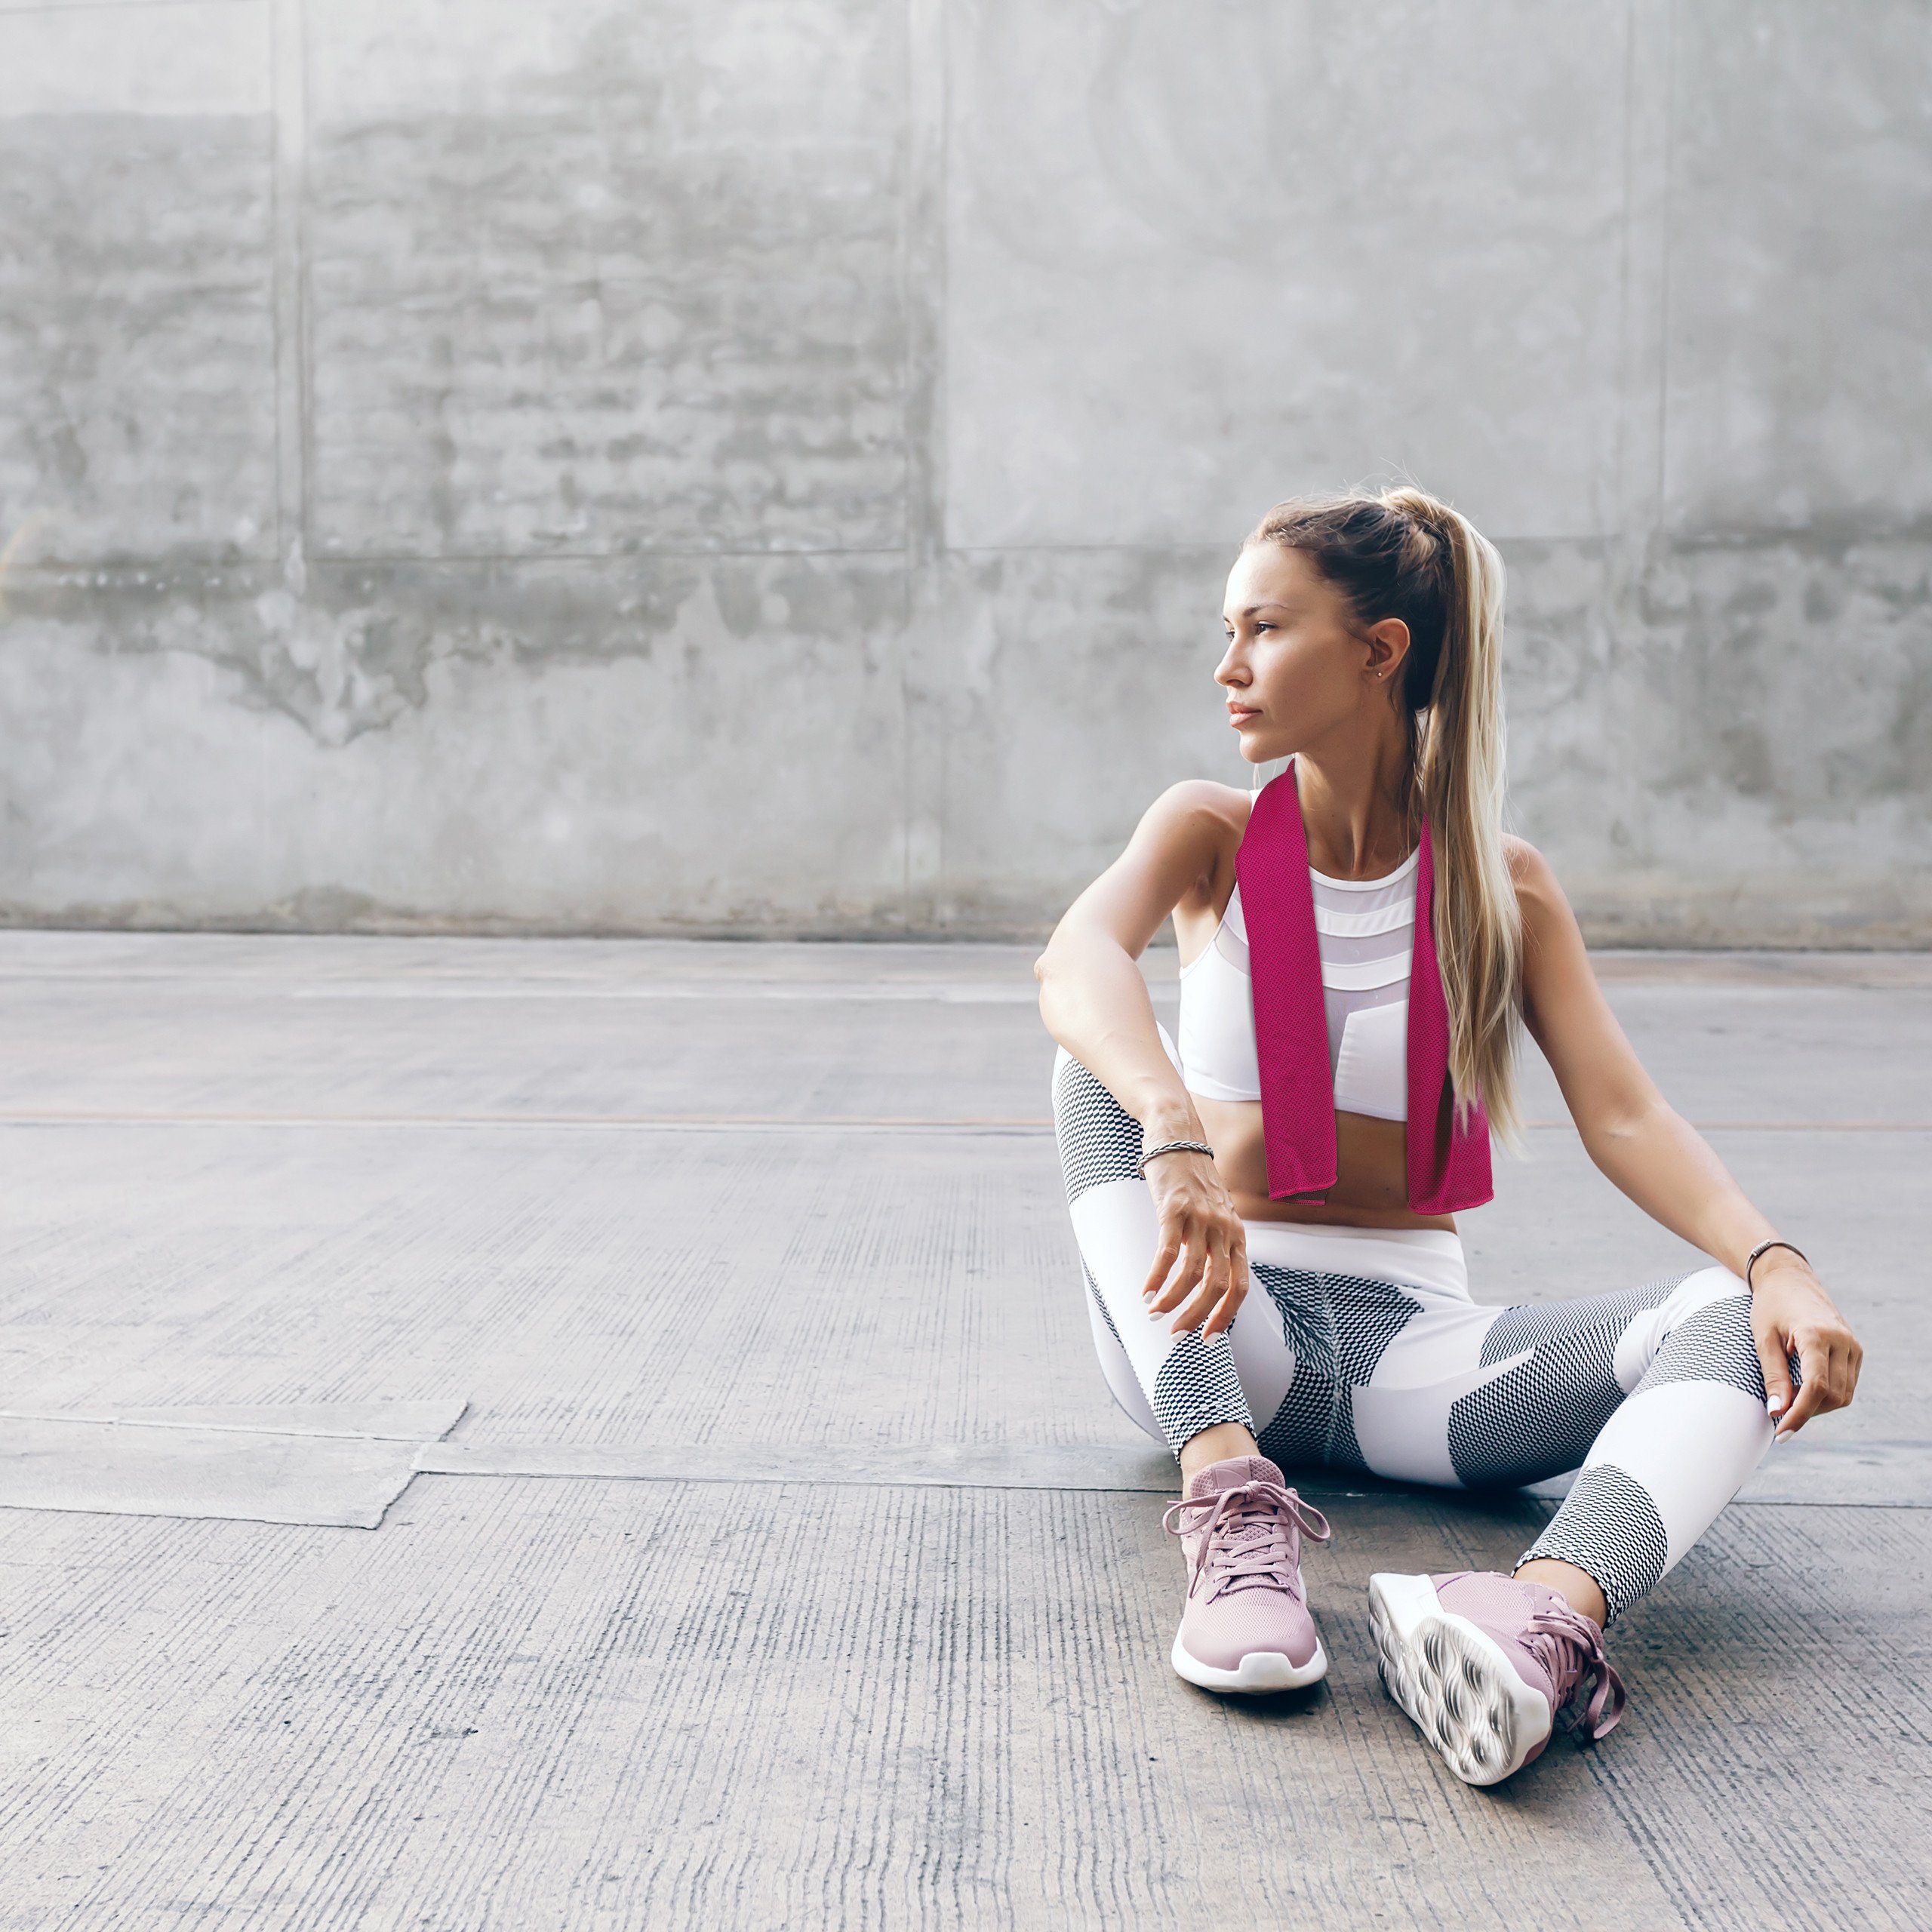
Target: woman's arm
1095,1003
1092,996
1660,1160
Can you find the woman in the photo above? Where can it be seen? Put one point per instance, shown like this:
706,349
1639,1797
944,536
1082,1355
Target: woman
1362,945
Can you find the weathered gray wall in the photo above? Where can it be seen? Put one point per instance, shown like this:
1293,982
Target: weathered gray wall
771,464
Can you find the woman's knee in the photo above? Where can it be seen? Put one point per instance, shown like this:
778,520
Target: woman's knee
1069,1072
1099,1141
1701,1288
1708,1336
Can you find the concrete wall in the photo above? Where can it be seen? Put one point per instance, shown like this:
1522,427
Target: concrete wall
771,464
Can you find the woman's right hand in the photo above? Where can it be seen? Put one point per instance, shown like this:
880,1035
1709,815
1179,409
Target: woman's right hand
1198,1221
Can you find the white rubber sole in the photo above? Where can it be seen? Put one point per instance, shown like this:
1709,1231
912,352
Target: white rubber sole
1456,1684
1260,1670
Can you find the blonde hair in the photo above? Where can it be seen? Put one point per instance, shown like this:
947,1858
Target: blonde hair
1403,553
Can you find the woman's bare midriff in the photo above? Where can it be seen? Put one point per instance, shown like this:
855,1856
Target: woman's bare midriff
1371,1174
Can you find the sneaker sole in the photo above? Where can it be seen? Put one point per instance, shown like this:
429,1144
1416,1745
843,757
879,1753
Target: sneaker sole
1456,1682
1260,1671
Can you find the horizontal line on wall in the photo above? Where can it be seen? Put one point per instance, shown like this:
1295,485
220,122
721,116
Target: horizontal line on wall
109,6
1205,547
161,563
181,561
52,569
595,556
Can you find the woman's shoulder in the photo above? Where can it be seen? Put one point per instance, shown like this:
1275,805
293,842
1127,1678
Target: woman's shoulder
1201,813
1527,865
1196,825
1539,894
1204,801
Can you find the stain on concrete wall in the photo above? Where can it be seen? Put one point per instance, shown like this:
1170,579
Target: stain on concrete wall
724,465
640,293
136,313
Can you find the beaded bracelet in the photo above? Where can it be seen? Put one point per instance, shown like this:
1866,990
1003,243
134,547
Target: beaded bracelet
1772,1242
1174,1147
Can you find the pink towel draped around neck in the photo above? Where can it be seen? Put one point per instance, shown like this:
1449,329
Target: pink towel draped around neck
1448,1166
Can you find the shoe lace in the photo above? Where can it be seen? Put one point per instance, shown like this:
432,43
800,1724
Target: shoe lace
1570,1646
1249,1532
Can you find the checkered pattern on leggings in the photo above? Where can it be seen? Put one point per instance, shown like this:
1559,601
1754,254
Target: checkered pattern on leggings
1654,1395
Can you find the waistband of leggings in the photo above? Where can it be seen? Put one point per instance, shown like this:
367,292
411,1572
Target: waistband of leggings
1428,1259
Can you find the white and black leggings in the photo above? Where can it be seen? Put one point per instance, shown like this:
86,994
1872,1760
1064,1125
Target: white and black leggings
1359,1349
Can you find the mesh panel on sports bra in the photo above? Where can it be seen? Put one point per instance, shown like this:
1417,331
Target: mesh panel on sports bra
1364,932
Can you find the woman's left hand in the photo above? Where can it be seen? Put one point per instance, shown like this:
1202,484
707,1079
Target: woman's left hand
1791,1314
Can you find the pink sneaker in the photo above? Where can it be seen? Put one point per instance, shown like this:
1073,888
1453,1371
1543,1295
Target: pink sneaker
1484,1663
1245,1625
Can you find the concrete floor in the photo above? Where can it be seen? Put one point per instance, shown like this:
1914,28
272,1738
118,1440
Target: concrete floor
789,1565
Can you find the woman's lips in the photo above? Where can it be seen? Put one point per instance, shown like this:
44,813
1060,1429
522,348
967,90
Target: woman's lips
1239,714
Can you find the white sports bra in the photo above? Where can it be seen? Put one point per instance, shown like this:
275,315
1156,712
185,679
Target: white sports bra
1364,929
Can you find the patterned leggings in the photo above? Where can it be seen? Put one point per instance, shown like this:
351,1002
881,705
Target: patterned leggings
1359,1349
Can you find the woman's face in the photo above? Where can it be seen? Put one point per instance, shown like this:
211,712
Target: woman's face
1296,666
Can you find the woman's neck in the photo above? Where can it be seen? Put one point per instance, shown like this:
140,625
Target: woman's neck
1353,810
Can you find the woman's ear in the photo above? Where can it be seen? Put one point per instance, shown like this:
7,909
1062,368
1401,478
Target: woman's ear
1387,647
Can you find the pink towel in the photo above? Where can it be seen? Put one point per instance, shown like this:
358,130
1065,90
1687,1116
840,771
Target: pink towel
1448,1166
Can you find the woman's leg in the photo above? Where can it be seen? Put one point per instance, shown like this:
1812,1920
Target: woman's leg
1245,1624
1654,1395
1676,1449
1179,1384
